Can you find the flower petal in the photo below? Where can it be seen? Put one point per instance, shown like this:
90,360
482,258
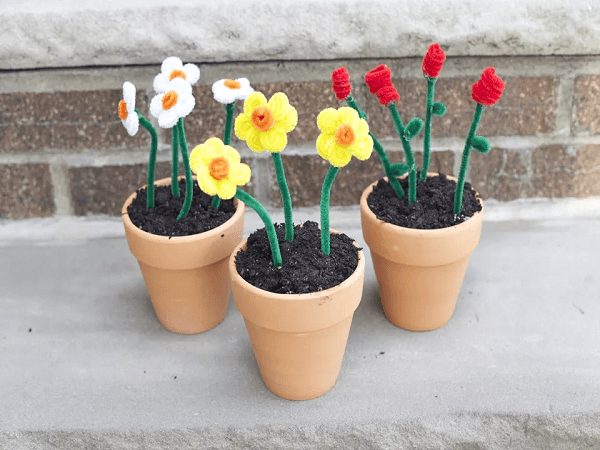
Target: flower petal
243,126
156,105
323,142
239,174
207,184
132,124
253,101
192,73
254,142
273,140
347,115
231,154
327,120
129,94
161,81
185,105
226,189
216,145
170,64
200,157
289,121
222,93
168,118
363,149
362,130
279,104
339,156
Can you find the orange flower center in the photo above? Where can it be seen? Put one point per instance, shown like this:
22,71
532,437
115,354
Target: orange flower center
177,73
262,118
344,135
169,100
232,84
122,110
218,167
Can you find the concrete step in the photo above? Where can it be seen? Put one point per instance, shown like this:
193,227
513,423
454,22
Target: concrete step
84,363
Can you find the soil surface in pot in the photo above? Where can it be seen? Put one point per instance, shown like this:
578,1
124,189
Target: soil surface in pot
162,219
305,267
433,208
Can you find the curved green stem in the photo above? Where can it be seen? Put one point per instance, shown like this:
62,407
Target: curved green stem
175,161
410,159
383,157
460,184
427,130
189,186
264,215
229,108
152,160
325,194
285,197
216,202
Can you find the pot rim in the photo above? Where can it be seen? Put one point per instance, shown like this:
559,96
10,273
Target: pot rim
458,228
295,297
239,210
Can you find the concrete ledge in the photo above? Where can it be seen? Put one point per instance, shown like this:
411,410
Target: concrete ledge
52,33
85,363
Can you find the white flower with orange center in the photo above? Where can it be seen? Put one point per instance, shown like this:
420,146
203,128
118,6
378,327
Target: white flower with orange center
172,68
343,134
228,91
127,113
218,168
176,102
264,125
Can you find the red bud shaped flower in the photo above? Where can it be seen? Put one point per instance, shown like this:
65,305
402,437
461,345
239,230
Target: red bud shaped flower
378,77
388,94
341,83
433,61
488,89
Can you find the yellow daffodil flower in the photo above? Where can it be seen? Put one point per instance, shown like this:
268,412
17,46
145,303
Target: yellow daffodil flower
264,125
343,134
218,168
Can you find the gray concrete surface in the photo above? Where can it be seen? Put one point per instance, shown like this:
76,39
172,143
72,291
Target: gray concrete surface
84,363
58,33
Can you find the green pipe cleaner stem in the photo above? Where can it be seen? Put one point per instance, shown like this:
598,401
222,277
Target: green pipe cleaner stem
383,157
427,130
152,160
325,194
216,202
410,159
229,108
175,161
189,186
458,193
285,197
264,215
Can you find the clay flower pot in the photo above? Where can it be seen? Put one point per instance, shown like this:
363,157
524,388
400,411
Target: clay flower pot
187,277
419,272
298,339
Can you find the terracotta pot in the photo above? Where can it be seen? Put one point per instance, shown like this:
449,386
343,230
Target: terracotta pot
419,271
298,339
186,276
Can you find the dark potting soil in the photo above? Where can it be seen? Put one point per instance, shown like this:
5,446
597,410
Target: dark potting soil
162,219
433,208
305,267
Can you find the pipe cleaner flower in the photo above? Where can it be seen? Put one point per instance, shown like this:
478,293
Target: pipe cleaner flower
488,89
264,125
127,113
343,134
341,83
380,83
227,91
433,61
172,68
176,102
218,168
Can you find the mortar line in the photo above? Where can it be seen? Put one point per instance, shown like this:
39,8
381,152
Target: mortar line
63,201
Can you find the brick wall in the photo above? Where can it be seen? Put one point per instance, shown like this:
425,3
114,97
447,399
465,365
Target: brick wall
63,150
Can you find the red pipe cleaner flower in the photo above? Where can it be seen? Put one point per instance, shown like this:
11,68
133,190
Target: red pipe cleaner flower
341,83
433,61
379,77
488,89
388,94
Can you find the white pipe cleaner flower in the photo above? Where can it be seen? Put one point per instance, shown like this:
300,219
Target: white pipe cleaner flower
228,91
127,113
172,68
173,104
